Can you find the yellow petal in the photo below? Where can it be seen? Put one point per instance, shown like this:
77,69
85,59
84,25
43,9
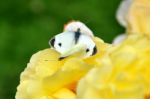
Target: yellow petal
71,72
64,94
138,17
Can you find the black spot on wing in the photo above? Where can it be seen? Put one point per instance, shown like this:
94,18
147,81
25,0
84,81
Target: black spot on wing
59,44
87,50
94,51
52,42
77,36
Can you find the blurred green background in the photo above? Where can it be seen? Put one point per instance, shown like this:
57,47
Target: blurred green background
27,25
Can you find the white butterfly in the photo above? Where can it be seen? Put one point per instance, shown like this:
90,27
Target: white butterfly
76,37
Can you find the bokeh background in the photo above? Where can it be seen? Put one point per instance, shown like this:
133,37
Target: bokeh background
27,25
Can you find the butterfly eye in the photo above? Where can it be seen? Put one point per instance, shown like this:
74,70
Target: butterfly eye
87,50
60,44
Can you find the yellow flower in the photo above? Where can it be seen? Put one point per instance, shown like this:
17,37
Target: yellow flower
124,72
48,78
